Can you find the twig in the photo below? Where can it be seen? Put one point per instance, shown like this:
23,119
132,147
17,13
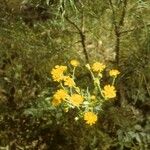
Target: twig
117,33
82,36
117,27
121,22
133,29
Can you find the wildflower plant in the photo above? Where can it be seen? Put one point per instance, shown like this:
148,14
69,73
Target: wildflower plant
88,103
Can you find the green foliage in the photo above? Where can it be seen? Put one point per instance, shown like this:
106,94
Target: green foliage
29,50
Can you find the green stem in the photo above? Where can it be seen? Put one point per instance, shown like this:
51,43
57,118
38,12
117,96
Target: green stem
62,85
69,102
100,90
73,75
70,90
113,82
92,75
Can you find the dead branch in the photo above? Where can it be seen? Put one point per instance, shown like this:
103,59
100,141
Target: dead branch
117,27
82,36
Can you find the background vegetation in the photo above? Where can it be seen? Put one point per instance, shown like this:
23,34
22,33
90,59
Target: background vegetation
35,35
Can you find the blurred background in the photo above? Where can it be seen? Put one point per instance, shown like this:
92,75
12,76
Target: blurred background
36,35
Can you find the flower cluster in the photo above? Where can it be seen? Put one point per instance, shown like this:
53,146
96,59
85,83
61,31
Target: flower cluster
109,91
76,99
114,72
90,118
98,67
68,81
58,72
70,95
59,96
74,63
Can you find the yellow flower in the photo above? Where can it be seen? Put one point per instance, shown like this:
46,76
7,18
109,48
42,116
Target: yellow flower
98,67
93,97
56,102
68,81
74,63
109,91
76,99
57,72
60,95
90,118
114,72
